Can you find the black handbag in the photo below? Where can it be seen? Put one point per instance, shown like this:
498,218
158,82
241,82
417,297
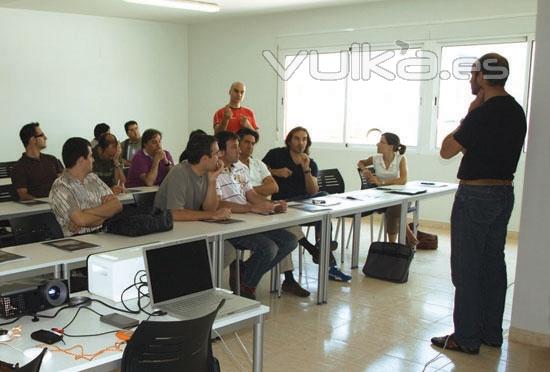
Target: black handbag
389,261
137,223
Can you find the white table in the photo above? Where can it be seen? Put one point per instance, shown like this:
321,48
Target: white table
13,209
372,199
88,323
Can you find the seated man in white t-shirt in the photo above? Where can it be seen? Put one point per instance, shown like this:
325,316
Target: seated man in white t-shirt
235,192
263,183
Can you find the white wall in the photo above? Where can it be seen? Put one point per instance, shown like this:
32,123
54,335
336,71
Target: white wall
531,309
230,50
70,72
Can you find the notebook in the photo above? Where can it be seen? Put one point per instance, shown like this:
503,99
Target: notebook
180,282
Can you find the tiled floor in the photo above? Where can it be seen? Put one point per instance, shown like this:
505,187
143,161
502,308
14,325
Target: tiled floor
371,325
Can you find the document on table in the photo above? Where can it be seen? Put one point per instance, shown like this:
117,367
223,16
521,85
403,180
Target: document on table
6,256
70,245
309,207
223,222
32,202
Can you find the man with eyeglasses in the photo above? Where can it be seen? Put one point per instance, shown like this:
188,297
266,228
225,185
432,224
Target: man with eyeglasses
34,173
189,190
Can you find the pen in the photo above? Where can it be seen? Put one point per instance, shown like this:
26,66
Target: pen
427,183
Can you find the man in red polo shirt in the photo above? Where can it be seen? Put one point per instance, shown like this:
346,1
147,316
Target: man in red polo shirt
233,116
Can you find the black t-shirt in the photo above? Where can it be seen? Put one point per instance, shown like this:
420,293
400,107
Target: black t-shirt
493,136
295,185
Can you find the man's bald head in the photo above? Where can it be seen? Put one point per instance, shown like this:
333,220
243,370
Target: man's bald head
236,94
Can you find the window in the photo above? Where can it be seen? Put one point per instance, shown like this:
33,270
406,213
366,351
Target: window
454,93
328,95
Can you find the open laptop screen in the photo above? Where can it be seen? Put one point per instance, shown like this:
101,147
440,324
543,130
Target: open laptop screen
178,270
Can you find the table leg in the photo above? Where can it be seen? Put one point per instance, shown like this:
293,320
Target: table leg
218,266
257,363
356,240
416,215
403,222
323,261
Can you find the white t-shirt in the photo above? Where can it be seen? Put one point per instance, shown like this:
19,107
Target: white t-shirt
257,171
233,184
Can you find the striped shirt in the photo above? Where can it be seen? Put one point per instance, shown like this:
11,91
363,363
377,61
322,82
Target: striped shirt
233,184
69,195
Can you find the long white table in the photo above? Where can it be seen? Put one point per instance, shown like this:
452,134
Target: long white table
13,209
88,323
41,256
373,199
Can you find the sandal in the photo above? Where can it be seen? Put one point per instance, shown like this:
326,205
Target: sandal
449,343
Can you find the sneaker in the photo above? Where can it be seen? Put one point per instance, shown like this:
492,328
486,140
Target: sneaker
248,292
335,274
295,288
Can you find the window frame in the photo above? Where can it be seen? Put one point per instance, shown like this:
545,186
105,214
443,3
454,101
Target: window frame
429,89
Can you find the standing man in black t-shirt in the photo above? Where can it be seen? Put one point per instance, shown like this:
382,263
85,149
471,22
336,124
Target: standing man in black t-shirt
490,137
296,175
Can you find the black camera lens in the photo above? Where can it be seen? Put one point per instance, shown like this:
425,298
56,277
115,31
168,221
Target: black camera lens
54,293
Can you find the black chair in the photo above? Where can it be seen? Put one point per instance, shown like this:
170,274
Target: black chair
33,365
171,346
7,193
330,181
145,200
5,169
35,228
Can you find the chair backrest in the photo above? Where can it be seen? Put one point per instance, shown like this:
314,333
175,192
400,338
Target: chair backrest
331,181
365,184
33,365
171,346
145,200
35,228
7,193
5,169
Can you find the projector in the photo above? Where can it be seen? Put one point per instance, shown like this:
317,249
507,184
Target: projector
110,273
30,296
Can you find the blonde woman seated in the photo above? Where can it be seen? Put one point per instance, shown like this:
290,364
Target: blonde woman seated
390,168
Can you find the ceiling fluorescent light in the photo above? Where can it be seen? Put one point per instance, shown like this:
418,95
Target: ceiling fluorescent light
180,4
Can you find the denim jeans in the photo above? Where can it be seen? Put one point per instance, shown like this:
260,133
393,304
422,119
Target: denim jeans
268,248
479,221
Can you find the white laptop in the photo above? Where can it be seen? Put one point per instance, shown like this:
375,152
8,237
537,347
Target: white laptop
180,282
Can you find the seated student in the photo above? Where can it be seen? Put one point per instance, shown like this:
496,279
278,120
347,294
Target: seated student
296,175
80,201
107,163
236,193
390,168
150,164
234,116
263,183
99,129
196,132
33,174
132,144
189,190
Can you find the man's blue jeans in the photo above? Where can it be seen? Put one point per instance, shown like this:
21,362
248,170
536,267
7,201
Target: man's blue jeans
478,234
268,248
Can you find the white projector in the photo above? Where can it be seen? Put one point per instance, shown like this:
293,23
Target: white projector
110,273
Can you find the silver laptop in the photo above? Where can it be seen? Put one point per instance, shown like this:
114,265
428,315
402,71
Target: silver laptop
180,282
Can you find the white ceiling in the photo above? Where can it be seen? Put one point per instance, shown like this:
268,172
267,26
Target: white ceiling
119,8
